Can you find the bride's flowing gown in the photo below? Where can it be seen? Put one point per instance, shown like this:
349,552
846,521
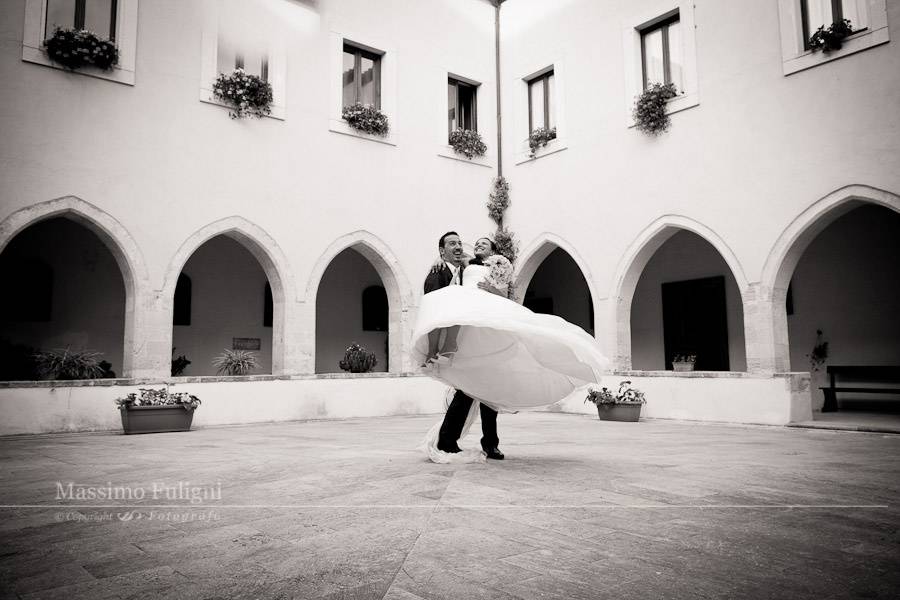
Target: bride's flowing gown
508,357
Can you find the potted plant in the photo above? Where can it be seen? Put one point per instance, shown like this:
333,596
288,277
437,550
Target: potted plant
157,411
831,38
468,143
684,362
817,376
179,364
366,119
247,94
649,112
235,362
77,48
357,359
624,405
65,364
539,138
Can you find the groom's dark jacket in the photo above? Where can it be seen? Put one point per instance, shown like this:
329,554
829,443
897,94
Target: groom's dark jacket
439,279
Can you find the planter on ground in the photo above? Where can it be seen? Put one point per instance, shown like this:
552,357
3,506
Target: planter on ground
627,412
156,419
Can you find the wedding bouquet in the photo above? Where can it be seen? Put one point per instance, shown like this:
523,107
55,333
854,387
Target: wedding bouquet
500,274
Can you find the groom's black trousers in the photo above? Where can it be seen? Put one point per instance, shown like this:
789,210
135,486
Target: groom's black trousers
455,418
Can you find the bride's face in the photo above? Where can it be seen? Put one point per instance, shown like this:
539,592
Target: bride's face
483,248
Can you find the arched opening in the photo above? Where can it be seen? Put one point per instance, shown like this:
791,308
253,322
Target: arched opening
351,307
558,287
845,284
219,304
63,288
687,303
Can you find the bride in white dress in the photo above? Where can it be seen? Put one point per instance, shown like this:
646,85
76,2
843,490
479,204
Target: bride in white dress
507,357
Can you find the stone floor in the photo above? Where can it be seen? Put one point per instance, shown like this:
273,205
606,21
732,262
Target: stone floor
348,509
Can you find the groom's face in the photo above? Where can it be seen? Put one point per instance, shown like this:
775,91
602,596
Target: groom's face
452,250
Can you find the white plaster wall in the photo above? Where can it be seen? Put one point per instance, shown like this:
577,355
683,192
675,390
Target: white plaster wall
757,150
847,285
339,312
684,256
227,293
88,298
708,396
559,278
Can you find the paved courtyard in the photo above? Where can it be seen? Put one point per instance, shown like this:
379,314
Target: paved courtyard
348,509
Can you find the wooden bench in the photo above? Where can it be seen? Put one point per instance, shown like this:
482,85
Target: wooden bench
886,378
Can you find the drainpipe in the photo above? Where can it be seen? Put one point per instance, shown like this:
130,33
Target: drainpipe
497,4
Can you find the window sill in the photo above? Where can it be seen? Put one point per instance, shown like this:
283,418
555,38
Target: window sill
675,105
341,126
552,147
858,42
206,95
39,57
447,151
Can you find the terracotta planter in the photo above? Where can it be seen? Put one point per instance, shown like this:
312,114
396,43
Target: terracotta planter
629,412
156,419
683,366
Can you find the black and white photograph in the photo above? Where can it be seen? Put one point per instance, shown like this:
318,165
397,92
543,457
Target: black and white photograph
449,299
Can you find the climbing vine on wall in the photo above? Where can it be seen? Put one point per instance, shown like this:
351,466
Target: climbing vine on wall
505,240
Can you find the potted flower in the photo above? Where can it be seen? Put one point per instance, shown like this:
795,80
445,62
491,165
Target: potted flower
157,411
539,138
649,112
831,38
366,118
77,48
624,405
235,362
684,362
358,360
468,143
247,94
66,364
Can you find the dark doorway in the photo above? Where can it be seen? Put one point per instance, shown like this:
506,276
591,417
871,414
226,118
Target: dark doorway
695,322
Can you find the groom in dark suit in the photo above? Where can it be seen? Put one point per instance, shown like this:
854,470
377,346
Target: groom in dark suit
451,273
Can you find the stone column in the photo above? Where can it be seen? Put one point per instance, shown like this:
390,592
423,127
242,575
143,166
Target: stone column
148,336
766,329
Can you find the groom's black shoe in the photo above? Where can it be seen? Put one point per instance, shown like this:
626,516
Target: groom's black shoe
451,449
494,453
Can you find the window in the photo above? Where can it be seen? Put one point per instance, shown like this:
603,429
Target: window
461,105
819,13
98,16
541,101
267,305
230,57
112,19
374,309
361,79
662,58
181,315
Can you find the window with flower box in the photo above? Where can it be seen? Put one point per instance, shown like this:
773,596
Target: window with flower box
115,20
361,77
799,20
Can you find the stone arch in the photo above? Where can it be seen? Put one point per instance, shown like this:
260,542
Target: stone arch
399,292
635,259
111,233
790,247
267,252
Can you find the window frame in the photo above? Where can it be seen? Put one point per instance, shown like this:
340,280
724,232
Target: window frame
795,52
661,24
837,14
545,78
466,83
80,13
359,52
124,27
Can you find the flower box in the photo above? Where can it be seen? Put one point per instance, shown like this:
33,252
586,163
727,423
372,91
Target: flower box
628,412
156,419
681,367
